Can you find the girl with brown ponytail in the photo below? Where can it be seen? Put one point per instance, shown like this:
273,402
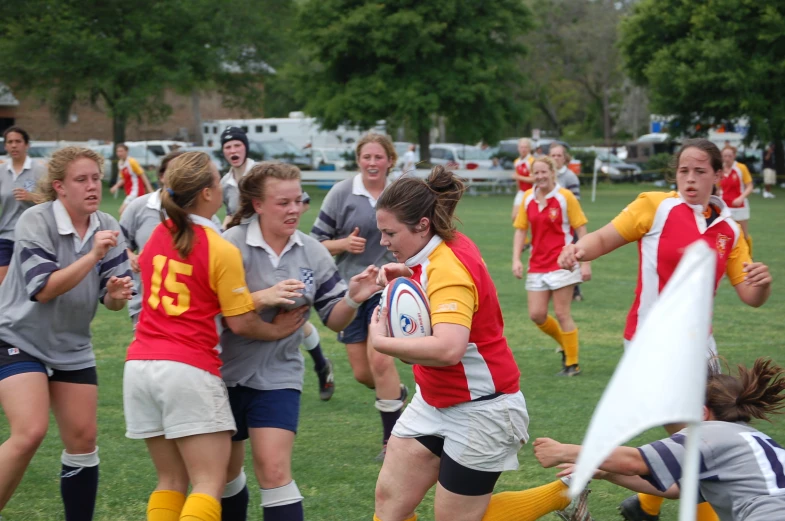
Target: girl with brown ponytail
741,474
173,394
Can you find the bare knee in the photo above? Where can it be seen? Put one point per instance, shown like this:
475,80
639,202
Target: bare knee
274,475
28,437
173,481
564,317
364,376
381,364
80,439
538,316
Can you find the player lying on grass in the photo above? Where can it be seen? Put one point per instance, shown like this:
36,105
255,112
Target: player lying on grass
741,469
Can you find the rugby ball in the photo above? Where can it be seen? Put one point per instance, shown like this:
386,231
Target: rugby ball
408,311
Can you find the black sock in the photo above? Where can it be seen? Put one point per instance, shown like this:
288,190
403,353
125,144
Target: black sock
293,512
79,487
235,508
319,361
388,423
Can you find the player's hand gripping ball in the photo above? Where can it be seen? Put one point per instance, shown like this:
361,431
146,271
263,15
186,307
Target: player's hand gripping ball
408,310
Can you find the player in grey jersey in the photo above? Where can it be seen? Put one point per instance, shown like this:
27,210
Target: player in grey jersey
741,469
284,269
68,256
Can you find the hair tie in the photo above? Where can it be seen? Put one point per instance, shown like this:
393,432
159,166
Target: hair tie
170,192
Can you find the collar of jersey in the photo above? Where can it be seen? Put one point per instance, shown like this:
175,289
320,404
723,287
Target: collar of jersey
27,166
201,221
358,188
713,200
230,180
64,224
154,201
423,254
552,193
254,237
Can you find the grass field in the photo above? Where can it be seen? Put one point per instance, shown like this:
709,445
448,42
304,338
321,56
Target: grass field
333,456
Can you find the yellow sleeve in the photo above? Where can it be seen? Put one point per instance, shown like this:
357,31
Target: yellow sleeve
637,218
452,294
574,211
134,164
227,276
522,219
746,178
740,254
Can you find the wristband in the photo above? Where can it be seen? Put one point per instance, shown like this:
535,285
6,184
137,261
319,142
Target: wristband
351,303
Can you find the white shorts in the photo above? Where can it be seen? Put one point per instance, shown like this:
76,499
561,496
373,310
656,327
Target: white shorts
740,214
769,176
553,280
485,435
518,198
172,399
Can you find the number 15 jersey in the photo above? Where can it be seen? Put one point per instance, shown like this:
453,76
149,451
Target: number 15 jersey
183,296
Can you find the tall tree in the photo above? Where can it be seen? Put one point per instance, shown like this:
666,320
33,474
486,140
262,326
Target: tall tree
123,56
710,62
410,60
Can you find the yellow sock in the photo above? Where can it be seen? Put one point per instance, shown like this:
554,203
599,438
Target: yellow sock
551,328
413,518
570,345
527,505
165,505
201,507
749,243
650,504
706,513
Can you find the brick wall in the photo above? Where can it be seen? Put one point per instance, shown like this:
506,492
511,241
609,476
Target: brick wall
88,122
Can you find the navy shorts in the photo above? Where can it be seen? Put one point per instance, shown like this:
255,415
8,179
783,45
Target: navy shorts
357,331
14,361
255,409
6,251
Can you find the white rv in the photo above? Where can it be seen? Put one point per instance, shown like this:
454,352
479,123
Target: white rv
297,129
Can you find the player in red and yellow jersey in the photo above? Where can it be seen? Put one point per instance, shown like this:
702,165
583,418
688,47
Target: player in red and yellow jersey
468,418
522,174
664,224
173,394
553,214
132,177
735,188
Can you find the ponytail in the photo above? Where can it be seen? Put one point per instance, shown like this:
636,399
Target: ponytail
411,199
754,393
186,176
252,186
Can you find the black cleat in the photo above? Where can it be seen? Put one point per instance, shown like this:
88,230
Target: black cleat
570,370
630,509
578,509
326,381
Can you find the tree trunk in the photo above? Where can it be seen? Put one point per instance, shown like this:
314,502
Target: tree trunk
118,130
424,139
606,116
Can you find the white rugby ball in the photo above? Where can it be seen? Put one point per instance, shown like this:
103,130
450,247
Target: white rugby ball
408,310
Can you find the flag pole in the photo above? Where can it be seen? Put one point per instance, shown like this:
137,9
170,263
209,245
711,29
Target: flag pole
688,496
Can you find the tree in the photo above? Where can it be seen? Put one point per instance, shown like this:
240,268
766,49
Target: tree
410,61
711,62
123,55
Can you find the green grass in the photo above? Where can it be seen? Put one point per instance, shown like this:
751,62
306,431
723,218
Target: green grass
333,456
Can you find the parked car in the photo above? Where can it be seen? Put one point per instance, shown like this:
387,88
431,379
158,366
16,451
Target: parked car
279,150
138,152
401,147
616,169
456,155
216,156
324,158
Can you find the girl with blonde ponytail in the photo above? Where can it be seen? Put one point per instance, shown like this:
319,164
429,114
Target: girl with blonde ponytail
173,394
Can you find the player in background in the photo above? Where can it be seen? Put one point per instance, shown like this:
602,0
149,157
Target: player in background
522,173
285,269
468,418
234,144
769,172
566,178
736,187
741,473
664,224
68,257
132,177
18,179
312,344
553,214
173,394
346,226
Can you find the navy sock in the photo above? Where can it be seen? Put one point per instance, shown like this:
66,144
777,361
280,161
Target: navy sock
388,423
293,512
79,487
319,361
235,508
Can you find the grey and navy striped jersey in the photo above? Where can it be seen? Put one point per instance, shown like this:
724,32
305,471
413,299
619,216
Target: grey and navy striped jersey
231,192
345,208
278,365
56,332
10,208
566,178
741,470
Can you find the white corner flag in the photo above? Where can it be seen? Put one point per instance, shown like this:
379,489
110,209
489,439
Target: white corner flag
661,378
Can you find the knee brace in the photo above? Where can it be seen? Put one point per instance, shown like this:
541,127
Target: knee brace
312,340
235,486
281,496
80,460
